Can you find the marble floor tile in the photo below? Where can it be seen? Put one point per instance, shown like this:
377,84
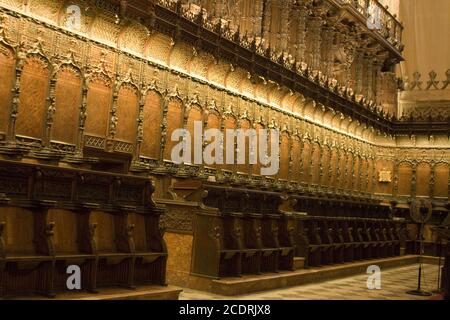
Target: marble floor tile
394,285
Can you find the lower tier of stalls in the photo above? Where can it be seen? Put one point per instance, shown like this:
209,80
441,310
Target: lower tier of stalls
56,220
245,231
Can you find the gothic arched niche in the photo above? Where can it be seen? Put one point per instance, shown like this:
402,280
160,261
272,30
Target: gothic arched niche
46,9
229,122
307,150
333,167
284,156
195,115
315,167
405,174
213,122
217,72
104,29
98,106
244,168
363,174
33,94
441,182
133,38
174,121
200,63
158,48
423,179
127,113
296,154
354,179
67,103
151,125
257,167
181,56
370,172
6,85
326,154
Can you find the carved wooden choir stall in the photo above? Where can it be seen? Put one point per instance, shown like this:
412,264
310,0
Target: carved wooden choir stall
240,231
345,230
51,218
86,123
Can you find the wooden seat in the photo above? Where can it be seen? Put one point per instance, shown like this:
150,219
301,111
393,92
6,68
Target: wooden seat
87,220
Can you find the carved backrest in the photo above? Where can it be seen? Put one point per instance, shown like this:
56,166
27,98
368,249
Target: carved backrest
348,232
105,232
314,232
339,232
19,231
67,229
326,232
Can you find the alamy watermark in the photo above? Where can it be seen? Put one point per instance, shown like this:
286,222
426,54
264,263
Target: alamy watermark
73,20
374,19
374,280
74,280
213,147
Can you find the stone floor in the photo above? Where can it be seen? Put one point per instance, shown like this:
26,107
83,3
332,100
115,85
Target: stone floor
394,285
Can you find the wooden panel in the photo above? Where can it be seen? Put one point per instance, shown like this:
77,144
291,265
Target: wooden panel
6,85
370,184
19,231
354,180
307,150
105,235
213,123
65,231
441,177
98,108
68,101
324,180
229,123
423,179
33,95
404,179
140,235
194,115
348,168
257,166
152,126
362,177
333,163
174,121
284,156
295,153
127,111
316,154
244,168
